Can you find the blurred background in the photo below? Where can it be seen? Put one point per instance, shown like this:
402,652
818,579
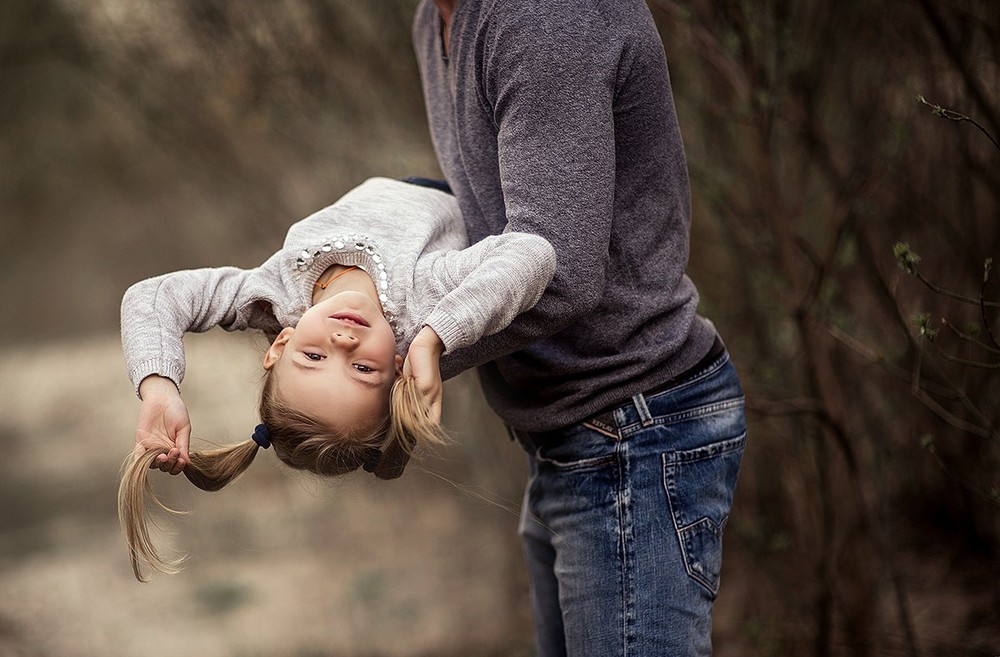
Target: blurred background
846,207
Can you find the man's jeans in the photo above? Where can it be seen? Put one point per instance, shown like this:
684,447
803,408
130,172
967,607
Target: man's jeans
623,517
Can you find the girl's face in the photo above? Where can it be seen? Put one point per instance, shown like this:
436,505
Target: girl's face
338,364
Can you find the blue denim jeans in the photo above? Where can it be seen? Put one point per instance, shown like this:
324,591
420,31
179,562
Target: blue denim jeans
623,517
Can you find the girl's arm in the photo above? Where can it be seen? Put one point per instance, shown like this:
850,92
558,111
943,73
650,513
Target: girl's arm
155,315
481,289
157,312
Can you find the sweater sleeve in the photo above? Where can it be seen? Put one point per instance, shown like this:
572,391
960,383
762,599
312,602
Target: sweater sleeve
482,288
551,92
156,313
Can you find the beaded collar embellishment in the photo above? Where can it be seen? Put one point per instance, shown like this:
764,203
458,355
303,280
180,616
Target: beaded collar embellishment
355,245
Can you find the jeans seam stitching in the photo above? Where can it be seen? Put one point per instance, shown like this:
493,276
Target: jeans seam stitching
681,416
706,452
623,519
577,465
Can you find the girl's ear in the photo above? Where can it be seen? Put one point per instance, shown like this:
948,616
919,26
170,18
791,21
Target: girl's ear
399,365
273,353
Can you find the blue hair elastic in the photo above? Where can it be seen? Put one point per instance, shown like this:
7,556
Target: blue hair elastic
262,436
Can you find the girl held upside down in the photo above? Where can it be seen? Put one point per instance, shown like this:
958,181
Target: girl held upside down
360,303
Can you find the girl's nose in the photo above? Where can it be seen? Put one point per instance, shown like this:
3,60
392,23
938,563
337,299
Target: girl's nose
344,339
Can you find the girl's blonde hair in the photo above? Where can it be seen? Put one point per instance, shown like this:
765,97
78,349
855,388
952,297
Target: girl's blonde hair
298,440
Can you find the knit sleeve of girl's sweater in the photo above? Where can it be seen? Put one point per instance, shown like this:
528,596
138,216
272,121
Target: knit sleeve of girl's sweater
157,312
482,288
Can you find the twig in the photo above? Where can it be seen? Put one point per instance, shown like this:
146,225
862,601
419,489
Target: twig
993,497
963,425
952,115
918,389
908,260
987,268
968,338
879,359
966,362
981,302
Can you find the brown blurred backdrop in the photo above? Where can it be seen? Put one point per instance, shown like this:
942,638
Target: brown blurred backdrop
138,138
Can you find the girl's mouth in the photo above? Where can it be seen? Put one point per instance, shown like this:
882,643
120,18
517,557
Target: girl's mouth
350,318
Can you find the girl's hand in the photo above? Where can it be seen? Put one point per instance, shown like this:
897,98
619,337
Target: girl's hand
423,362
163,424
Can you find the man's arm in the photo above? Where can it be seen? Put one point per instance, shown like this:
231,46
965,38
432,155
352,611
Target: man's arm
551,93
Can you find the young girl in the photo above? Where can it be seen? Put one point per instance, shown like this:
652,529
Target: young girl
360,303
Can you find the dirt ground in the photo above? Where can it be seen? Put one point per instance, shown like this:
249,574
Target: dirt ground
280,564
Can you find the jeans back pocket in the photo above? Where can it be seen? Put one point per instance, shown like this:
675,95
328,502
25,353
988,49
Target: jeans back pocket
700,484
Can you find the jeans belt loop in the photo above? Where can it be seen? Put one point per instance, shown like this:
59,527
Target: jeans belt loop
640,406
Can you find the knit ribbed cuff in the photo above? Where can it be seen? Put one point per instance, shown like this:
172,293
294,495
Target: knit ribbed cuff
451,333
167,369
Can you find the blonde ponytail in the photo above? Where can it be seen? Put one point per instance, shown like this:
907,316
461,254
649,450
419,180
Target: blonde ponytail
298,440
410,427
208,470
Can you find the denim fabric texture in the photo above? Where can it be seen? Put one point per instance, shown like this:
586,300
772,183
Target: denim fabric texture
623,518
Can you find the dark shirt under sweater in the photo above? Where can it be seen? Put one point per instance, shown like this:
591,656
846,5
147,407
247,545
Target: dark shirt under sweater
556,118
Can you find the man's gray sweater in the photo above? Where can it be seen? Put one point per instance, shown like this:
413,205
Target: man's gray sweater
556,118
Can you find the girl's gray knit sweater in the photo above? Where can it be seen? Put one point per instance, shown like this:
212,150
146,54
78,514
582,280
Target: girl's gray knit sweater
412,242
556,118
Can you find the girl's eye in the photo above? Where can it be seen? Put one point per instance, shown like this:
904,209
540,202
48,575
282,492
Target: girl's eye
312,356
363,368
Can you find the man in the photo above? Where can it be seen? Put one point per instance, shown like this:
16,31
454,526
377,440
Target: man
557,118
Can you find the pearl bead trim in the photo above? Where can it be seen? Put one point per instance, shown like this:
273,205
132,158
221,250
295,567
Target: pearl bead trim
350,244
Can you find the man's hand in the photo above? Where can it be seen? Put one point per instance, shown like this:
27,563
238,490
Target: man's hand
423,362
163,423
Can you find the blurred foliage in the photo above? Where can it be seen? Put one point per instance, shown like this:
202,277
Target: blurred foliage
811,157
142,137
185,133
221,597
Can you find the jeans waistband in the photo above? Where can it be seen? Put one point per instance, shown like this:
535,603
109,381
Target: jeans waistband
604,420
